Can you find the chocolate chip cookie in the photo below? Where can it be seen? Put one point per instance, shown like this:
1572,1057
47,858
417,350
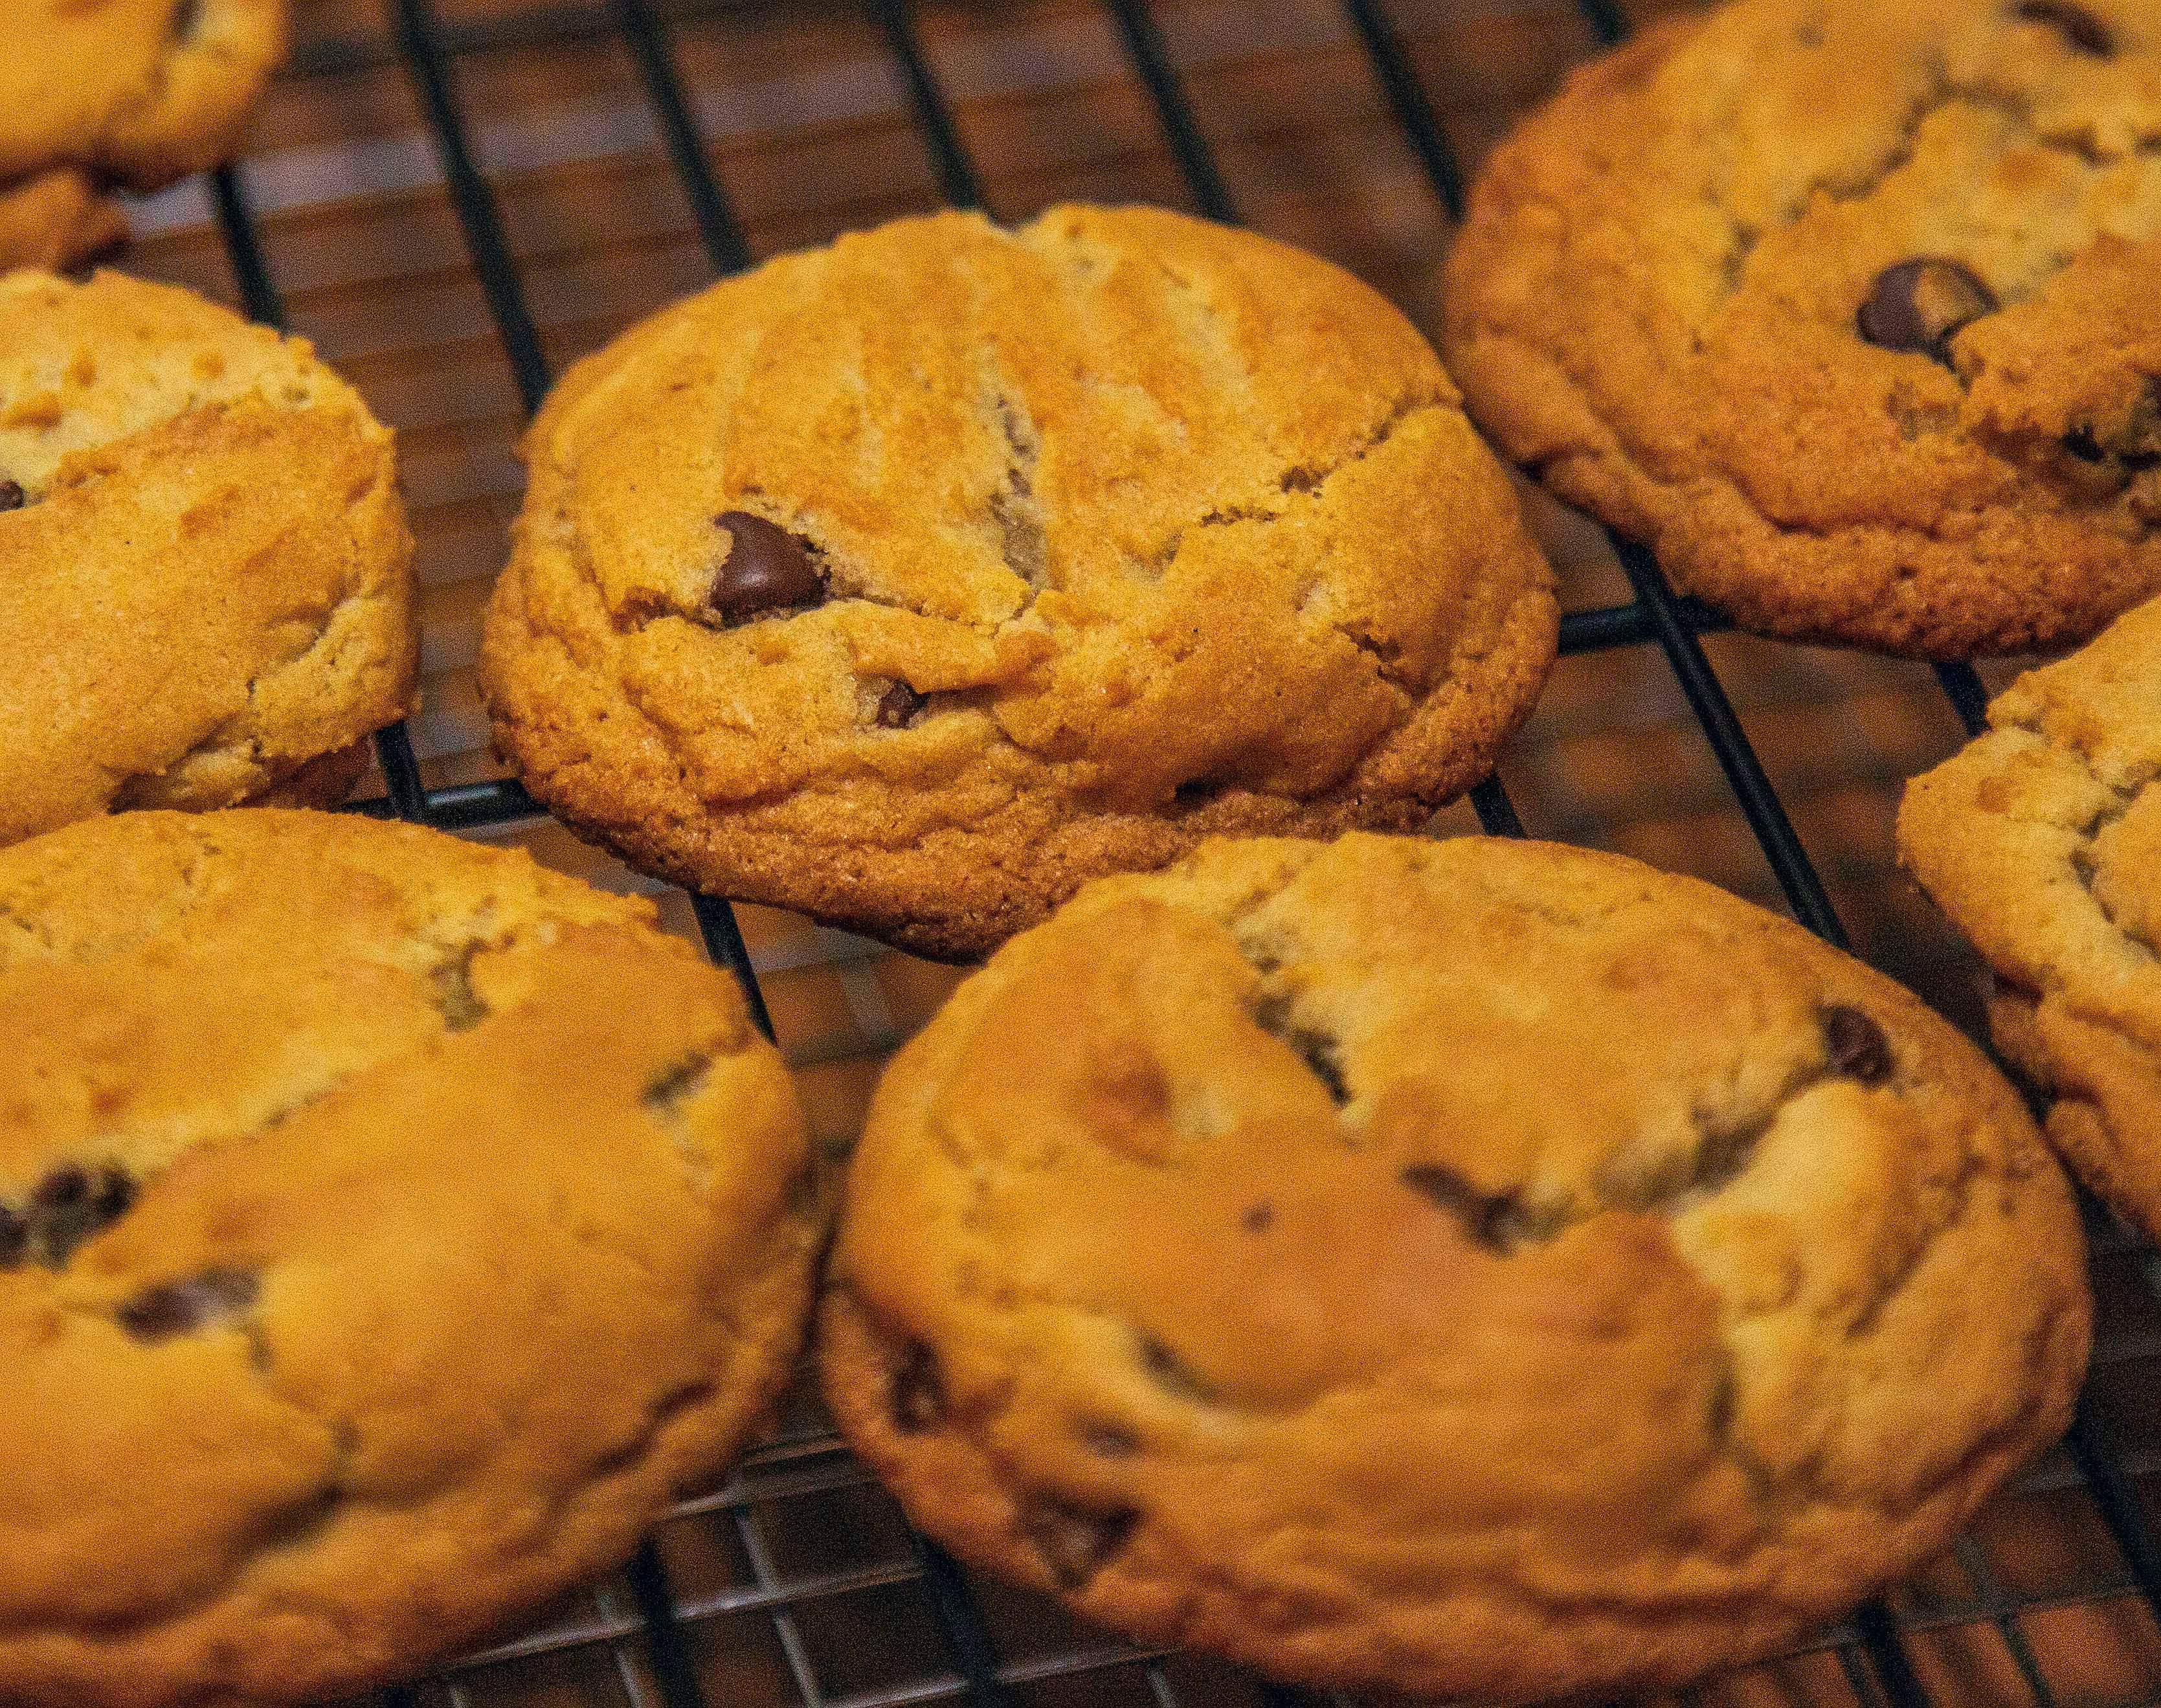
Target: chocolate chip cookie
206,576
387,1228
1475,1268
131,92
1848,309
911,582
2041,841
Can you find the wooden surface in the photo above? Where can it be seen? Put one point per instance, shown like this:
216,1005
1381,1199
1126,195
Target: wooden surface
810,133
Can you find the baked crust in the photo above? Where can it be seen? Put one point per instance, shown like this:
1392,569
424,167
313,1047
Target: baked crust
1467,1268
207,586
134,92
1174,530
1655,298
2041,840
464,1219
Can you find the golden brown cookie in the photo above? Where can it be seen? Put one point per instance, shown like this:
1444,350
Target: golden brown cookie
206,576
2041,841
133,92
1848,309
1470,1268
912,582
387,1228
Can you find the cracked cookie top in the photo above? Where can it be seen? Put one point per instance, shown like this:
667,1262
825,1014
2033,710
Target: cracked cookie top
2041,840
1848,309
412,1219
205,586
137,92
912,581
1470,1268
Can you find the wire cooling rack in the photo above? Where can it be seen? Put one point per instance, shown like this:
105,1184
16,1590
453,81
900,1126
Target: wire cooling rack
797,1583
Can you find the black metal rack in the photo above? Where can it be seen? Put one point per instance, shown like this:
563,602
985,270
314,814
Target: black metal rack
1869,1647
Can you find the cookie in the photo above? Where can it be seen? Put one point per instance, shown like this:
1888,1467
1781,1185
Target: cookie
1846,308
2041,840
387,1228
911,582
205,575
1470,1268
133,92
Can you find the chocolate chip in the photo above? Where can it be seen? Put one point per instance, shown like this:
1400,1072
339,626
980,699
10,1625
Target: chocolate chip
767,568
898,706
14,1239
1258,1219
2075,24
2085,443
1315,1048
63,1188
463,1006
666,1090
1498,1221
2131,446
1319,1052
1076,1545
12,495
1855,1045
182,1307
919,1395
1442,1185
71,1203
1171,1372
113,1196
1920,306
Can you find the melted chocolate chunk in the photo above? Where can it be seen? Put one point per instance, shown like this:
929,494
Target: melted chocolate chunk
918,1396
14,1239
1076,1545
1920,306
182,1307
2076,25
898,706
12,495
1855,1045
768,568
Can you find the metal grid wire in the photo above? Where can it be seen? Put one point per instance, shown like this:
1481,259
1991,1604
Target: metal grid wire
790,1583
